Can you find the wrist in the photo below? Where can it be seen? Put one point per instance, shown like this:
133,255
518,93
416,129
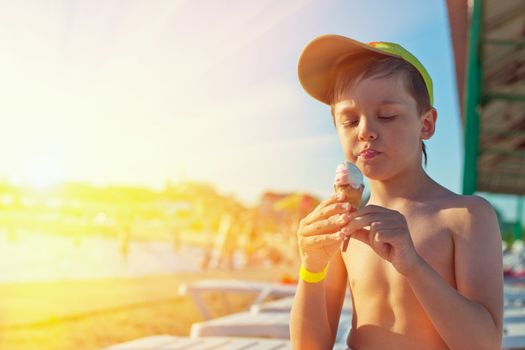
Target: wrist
416,268
312,277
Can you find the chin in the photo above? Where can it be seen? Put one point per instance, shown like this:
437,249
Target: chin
374,172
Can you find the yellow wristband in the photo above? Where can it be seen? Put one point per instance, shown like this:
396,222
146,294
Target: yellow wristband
312,277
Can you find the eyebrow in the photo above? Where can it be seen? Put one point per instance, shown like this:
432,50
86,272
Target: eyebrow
345,110
381,103
392,102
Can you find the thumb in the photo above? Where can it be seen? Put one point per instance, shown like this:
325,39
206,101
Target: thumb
362,235
382,248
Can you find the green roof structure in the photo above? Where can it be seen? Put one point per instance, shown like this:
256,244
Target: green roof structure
489,48
488,38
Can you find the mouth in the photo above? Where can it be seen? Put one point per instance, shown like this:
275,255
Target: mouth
368,154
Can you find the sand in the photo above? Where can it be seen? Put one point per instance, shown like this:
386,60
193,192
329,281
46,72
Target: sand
97,313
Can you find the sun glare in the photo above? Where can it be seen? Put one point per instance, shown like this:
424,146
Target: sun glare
43,172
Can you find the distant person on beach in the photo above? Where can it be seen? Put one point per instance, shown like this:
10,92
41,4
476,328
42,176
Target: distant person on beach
124,238
423,264
175,234
226,242
207,256
253,241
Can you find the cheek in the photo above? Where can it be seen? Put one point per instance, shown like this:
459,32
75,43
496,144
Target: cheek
347,143
404,147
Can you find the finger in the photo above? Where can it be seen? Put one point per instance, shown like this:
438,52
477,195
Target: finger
376,233
335,198
360,222
327,212
380,225
386,234
314,213
362,235
330,225
374,241
380,246
324,240
370,209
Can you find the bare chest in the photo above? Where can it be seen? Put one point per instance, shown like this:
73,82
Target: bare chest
370,274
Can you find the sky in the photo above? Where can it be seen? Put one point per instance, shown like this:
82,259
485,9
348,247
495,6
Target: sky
139,92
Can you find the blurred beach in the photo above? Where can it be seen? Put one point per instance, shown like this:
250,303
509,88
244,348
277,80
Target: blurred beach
92,314
150,144
45,258
60,293
83,267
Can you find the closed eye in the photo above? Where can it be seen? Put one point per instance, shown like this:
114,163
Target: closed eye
349,123
388,118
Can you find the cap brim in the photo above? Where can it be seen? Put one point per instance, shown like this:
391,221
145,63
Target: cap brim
318,58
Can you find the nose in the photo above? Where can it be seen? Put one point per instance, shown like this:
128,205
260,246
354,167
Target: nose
367,131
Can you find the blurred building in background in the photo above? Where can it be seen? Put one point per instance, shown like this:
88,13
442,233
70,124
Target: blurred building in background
488,38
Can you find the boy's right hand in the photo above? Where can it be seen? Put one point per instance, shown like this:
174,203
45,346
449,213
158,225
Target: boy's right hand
321,232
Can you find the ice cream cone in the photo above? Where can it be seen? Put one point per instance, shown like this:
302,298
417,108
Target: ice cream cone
349,180
352,195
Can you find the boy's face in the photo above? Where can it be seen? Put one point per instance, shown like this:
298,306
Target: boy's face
379,115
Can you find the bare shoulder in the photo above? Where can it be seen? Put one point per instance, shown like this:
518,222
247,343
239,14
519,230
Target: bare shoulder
478,208
467,215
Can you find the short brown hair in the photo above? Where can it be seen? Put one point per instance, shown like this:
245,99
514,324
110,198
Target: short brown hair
355,67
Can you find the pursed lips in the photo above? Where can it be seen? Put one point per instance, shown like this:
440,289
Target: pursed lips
368,153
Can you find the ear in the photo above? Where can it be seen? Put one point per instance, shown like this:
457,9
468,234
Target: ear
428,124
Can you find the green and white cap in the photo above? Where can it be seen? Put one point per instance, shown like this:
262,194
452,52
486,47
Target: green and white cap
321,54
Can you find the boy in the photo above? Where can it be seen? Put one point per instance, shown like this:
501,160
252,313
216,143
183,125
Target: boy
424,264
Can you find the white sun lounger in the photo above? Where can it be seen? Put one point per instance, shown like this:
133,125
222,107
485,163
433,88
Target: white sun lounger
514,319
263,290
265,325
514,299
245,324
513,330
513,342
513,336
167,342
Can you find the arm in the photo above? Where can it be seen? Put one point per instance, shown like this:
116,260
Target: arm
316,309
471,316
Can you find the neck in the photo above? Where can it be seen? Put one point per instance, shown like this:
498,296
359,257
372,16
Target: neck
404,187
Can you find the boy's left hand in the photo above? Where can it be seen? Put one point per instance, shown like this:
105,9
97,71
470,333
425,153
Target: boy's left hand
388,236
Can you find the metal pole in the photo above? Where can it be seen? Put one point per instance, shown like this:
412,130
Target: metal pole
472,101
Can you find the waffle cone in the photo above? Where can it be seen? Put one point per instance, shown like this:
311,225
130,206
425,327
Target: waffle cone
352,195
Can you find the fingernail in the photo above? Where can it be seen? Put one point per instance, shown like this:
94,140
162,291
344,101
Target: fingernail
340,196
346,206
342,218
